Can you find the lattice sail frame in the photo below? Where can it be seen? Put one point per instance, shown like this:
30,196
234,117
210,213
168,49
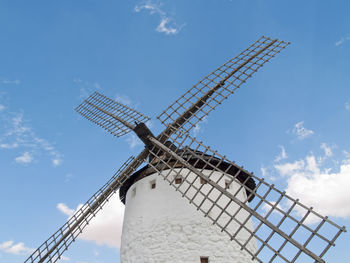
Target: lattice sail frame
180,117
53,248
222,82
105,112
282,229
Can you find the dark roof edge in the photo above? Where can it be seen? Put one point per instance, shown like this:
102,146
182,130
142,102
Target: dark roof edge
232,170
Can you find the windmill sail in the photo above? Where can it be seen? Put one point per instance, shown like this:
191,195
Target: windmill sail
282,230
53,248
213,89
113,116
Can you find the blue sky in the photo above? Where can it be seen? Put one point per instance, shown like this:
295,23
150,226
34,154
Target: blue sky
288,123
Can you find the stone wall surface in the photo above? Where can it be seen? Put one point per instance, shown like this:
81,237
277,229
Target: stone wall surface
162,227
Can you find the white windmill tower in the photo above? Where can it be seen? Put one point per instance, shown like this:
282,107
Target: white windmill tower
159,225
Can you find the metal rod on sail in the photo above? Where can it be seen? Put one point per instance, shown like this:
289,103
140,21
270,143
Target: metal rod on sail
196,106
235,199
127,124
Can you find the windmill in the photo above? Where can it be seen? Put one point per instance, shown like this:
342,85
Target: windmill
282,233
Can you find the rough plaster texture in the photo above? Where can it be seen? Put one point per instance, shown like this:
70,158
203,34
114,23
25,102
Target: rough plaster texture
162,227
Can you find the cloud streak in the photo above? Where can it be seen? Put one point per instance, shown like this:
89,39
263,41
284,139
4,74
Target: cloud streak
17,134
282,155
25,158
133,140
300,131
10,81
347,105
10,247
200,126
86,88
341,41
166,24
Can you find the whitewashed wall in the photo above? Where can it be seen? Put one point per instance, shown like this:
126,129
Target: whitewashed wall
161,226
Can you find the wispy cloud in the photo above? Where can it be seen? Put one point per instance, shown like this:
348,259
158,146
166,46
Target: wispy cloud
16,134
25,158
63,258
9,146
263,171
347,105
65,209
327,150
347,154
267,207
2,107
106,227
200,126
300,131
123,99
133,140
318,186
166,24
68,177
282,155
86,88
10,81
342,40
16,249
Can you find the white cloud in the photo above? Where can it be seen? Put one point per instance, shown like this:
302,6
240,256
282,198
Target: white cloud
342,41
86,88
56,162
10,81
106,227
200,126
266,208
347,154
56,157
166,24
317,186
15,249
25,158
77,80
327,150
347,105
9,146
266,173
282,155
61,259
17,134
65,209
64,258
300,131
133,140
164,27
287,168
2,107
123,99
84,93
68,177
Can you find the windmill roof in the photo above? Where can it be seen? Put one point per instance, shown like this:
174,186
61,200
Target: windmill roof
197,163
